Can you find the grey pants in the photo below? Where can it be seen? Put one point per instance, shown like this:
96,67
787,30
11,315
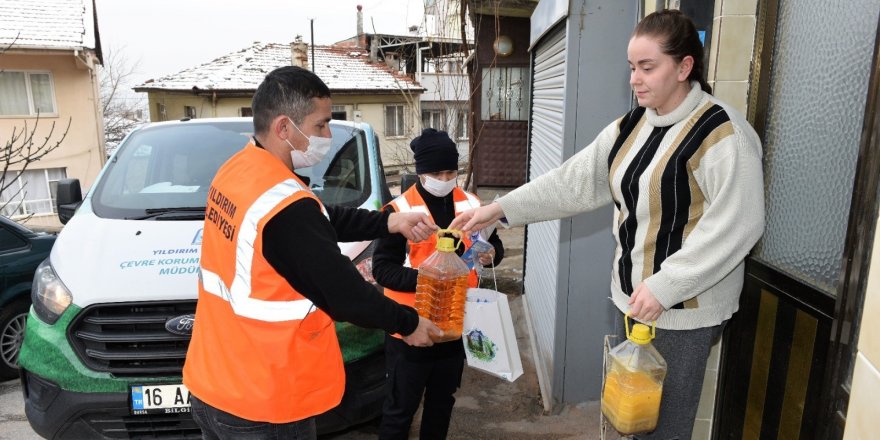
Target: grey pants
685,353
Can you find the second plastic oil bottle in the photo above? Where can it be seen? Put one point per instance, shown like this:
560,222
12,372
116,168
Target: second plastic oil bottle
441,289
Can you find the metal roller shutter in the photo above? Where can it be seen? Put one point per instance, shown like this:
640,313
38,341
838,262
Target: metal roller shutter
545,138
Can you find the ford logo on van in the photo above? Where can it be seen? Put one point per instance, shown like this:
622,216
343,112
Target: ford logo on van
181,325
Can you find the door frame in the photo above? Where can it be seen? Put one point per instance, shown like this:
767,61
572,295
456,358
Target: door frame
856,256
859,238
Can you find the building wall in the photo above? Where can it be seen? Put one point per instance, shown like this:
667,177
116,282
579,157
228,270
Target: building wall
175,102
445,87
76,100
395,149
597,93
396,154
730,57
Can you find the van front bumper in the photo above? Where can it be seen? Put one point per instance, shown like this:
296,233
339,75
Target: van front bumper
55,413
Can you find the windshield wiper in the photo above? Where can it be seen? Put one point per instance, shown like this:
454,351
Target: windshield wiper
182,213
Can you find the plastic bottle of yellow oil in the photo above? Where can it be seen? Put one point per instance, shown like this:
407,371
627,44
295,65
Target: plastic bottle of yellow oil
441,289
634,377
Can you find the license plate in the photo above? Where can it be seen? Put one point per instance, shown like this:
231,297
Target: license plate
159,399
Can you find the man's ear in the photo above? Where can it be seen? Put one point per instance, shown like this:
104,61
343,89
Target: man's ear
279,126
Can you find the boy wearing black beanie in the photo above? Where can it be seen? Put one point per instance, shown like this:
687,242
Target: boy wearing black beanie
434,372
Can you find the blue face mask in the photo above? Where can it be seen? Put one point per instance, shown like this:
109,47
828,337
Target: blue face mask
316,150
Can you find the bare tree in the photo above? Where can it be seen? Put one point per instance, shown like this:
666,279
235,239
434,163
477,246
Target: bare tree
121,109
442,72
22,147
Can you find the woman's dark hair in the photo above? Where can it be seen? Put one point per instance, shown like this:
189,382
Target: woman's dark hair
286,91
678,38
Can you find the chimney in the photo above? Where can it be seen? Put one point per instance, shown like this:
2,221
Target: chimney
374,49
299,55
361,38
360,24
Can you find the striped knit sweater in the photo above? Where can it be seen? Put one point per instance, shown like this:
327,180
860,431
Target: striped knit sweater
689,204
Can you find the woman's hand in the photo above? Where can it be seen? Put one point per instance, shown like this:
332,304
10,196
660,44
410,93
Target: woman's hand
478,218
643,305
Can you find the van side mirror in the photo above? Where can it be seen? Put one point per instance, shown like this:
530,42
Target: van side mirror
68,198
407,180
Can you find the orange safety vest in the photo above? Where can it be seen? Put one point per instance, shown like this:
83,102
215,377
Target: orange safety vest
260,350
411,201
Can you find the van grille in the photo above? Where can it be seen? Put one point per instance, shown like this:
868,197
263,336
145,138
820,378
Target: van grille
154,426
130,339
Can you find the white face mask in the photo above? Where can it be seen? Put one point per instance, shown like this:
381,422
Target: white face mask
315,151
437,187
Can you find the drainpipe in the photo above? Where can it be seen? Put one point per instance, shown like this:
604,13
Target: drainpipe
214,102
88,62
419,63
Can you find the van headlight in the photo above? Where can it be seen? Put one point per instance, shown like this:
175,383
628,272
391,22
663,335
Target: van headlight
48,294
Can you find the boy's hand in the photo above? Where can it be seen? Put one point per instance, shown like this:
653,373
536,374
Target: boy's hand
415,226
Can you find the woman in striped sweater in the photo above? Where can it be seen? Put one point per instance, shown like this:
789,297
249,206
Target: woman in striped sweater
684,172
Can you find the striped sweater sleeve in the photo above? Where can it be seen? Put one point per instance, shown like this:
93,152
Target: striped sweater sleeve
578,185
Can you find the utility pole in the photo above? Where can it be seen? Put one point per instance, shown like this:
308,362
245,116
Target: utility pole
312,24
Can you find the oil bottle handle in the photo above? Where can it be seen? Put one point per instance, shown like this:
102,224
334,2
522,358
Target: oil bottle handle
626,324
454,232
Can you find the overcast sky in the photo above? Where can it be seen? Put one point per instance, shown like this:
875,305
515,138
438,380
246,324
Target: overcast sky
166,36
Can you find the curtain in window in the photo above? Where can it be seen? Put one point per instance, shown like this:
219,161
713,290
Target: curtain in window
54,175
13,94
11,196
394,120
41,88
37,198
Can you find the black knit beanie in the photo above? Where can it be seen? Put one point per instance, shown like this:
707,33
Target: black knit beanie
434,151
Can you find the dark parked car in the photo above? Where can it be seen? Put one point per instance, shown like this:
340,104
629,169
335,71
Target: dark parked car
21,251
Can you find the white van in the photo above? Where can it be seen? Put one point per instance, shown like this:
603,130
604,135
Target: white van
113,306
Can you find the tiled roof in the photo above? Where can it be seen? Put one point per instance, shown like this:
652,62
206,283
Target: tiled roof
340,68
47,24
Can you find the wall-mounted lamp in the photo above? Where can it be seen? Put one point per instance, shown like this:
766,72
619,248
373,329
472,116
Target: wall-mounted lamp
503,45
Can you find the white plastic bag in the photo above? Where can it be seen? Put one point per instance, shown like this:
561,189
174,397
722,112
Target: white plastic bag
488,336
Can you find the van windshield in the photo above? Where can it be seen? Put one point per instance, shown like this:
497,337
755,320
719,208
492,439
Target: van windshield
163,172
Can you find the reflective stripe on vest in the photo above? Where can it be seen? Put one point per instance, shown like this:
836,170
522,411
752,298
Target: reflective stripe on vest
239,296
403,206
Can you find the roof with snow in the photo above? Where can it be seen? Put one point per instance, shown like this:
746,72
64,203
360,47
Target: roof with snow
342,69
48,24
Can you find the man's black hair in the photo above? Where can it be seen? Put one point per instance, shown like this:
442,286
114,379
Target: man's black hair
286,91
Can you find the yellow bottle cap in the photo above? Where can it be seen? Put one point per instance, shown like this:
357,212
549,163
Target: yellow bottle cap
641,334
446,244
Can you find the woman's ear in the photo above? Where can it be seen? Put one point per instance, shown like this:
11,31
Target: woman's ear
685,67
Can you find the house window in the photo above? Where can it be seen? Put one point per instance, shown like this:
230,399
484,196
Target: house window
338,112
461,124
26,93
506,94
394,121
161,112
189,112
33,192
434,119
245,111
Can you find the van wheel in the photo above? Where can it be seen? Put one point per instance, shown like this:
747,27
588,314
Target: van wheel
13,317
